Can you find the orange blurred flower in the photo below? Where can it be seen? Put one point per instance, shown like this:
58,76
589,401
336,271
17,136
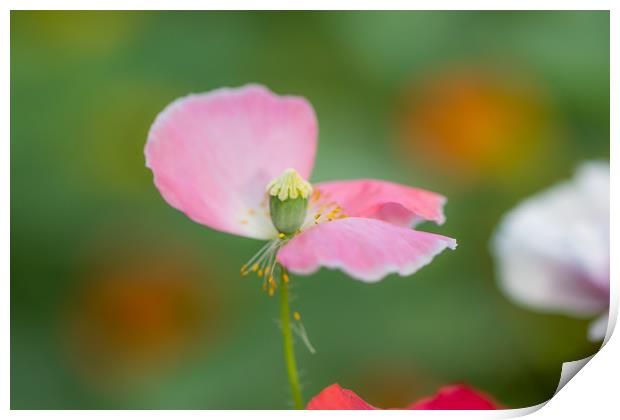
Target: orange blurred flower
139,310
471,122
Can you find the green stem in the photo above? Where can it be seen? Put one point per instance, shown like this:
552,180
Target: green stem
287,344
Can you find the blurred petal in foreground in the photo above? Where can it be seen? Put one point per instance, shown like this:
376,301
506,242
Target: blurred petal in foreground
552,250
455,397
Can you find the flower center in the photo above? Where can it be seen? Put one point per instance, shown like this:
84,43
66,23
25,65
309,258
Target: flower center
293,207
288,201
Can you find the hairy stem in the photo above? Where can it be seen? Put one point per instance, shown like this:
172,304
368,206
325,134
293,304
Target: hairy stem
287,344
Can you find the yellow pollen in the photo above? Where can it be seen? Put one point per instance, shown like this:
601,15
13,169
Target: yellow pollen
332,214
289,185
281,235
296,316
317,216
285,278
244,222
271,291
272,282
255,267
260,273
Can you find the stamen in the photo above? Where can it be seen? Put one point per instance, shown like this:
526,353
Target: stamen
322,212
272,263
257,255
299,329
265,264
263,260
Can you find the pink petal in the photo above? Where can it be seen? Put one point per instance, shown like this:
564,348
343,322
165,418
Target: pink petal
334,397
394,203
456,397
212,154
366,249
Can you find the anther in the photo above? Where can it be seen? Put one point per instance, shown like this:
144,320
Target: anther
296,316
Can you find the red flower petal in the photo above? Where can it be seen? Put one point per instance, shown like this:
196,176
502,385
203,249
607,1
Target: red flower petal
455,397
334,397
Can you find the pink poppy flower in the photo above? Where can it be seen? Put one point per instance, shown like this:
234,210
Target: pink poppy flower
454,397
238,161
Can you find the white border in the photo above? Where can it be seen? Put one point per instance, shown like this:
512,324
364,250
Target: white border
594,391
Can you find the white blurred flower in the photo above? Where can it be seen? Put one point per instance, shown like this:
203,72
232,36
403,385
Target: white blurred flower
552,250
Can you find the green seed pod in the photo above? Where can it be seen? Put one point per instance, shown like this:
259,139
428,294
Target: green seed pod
288,201
288,215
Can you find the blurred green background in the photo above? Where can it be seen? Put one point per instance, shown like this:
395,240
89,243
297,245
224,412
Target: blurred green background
120,301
